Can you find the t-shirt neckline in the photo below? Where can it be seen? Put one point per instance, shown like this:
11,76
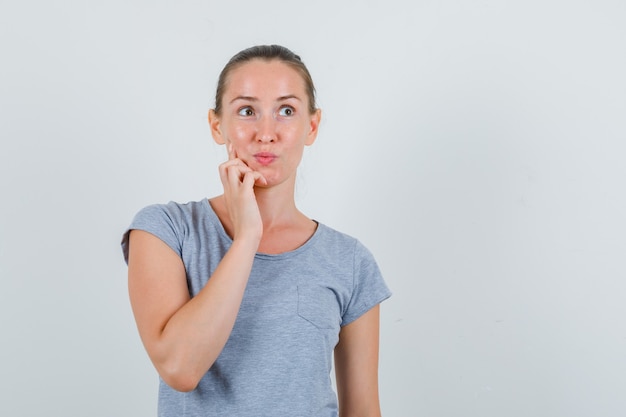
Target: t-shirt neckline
260,255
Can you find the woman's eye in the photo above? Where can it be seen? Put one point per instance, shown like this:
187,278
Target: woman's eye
286,111
245,111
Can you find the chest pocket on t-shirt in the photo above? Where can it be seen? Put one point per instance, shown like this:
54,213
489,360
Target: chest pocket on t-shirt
319,306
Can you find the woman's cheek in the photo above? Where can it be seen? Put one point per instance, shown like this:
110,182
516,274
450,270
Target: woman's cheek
239,133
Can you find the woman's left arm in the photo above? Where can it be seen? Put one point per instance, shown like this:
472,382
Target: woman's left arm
356,366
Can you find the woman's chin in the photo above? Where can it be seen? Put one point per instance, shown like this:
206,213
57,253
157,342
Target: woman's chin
270,181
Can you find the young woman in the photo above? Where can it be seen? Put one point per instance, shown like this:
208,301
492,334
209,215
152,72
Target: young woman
241,300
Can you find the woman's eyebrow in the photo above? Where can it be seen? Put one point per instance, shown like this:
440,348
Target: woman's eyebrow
287,97
245,98
254,99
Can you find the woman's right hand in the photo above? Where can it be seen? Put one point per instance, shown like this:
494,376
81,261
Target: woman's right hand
238,180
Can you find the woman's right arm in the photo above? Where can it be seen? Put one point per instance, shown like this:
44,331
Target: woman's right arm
183,336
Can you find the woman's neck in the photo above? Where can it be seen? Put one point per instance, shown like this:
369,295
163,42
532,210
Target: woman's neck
285,228
277,207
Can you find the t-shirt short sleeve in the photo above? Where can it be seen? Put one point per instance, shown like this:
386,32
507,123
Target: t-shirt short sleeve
369,288
159,220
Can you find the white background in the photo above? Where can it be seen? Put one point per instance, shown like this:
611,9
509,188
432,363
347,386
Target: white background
476,147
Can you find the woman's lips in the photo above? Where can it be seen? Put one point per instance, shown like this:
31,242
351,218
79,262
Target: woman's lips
264,158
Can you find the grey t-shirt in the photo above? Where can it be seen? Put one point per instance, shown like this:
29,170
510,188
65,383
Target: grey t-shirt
278,359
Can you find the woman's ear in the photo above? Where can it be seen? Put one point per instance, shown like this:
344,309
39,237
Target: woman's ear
216,127
314,124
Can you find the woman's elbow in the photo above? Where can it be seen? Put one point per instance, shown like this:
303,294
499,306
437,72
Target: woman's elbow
180,381
179,376
186,385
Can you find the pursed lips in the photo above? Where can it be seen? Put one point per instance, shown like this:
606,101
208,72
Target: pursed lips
264,158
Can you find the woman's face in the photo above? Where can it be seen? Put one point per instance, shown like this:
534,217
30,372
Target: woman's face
266,119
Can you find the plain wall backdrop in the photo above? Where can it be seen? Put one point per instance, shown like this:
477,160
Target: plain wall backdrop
476,148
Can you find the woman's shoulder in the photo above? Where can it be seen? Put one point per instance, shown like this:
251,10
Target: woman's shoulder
341,242
175,207
174,217
172,222
173,211
330,233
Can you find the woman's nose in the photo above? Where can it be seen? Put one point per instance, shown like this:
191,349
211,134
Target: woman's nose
266,131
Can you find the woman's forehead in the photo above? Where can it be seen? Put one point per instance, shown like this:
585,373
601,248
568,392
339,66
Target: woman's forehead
258,77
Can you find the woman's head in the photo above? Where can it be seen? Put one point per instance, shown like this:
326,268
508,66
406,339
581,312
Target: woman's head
266,53
265,111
